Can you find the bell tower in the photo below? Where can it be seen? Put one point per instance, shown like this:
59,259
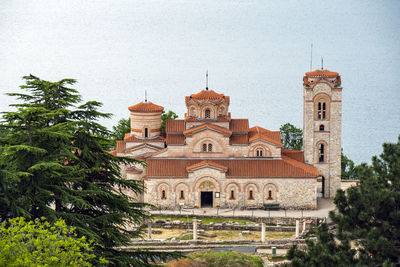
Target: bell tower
322,124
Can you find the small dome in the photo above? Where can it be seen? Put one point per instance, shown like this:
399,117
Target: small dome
207,94
146,107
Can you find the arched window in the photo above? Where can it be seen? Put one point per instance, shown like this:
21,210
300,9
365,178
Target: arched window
321,153
251,194
204,147
322,128
259,152
182,195
207,114
163,195
270,195
146,132
232,194
207,147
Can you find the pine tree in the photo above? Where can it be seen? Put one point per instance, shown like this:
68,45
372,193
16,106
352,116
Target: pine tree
54,164
367,215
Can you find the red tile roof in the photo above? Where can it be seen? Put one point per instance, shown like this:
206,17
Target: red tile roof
236,139
146,107
285,167
133,170
113,152
175,139
258,132
220,118
239,125
207,126
176,126
322,73
132,138
205,95
206,163
294,154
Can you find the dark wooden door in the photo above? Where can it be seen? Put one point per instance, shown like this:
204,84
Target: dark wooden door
206,199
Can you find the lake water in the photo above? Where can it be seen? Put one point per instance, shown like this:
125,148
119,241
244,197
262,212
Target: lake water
256,52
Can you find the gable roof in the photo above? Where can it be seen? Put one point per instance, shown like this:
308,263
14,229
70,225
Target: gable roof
205,164
257,133
146,107
207,126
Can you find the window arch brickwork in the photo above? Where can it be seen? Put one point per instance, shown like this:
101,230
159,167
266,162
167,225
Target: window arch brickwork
322,104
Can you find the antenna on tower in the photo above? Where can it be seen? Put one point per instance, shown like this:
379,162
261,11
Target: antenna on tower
207,80
145,95
311,58
322,63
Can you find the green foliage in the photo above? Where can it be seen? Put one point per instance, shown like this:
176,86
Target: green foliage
367,215
348,168
54,164
292,137
170,115
39,243
118,131
325,252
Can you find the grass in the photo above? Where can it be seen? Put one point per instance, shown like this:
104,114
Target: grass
209,258
204,220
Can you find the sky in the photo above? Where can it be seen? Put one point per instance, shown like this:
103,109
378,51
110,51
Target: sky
255,51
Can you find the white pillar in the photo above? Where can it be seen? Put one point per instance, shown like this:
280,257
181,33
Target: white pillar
194,229
304,226
297,228
263,232
149,229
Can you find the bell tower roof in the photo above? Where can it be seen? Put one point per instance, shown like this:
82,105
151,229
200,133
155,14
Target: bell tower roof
316,76
322,73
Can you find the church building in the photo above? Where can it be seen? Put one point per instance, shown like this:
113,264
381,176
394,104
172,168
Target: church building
210,159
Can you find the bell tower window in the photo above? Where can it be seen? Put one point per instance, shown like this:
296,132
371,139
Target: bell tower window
146,132
321,153
322,128
209,147
259,153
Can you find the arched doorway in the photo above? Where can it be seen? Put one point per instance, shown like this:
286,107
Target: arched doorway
207,194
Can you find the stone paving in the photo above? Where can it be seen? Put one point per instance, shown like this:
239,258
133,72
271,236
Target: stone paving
324,206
